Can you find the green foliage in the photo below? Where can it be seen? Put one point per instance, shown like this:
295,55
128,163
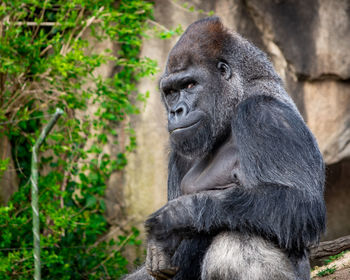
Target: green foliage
190,8
3,165
165,33
335,257
327,271
48,59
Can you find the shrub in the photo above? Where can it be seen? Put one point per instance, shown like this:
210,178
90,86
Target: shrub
47,61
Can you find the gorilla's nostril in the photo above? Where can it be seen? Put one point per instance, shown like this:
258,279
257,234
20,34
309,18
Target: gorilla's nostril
179,111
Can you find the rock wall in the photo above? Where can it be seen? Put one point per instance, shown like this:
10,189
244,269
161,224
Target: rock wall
309,44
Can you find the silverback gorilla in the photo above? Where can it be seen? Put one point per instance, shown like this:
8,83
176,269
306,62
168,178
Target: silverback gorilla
246,177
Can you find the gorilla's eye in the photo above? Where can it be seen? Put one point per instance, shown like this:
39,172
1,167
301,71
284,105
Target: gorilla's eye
190,85
169,91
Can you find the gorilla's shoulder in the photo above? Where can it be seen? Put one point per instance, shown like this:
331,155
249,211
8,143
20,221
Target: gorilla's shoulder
275,144
260,108
270,119
275,117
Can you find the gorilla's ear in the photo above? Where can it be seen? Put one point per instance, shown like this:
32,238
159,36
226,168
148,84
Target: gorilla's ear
225,70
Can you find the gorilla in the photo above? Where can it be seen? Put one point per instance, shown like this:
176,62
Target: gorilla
246,177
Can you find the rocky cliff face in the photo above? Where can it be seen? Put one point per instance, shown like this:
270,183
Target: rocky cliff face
309,44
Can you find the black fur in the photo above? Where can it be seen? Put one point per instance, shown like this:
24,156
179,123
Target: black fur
281,172
285,176
284,170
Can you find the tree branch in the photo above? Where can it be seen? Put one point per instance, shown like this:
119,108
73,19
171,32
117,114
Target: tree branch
330,248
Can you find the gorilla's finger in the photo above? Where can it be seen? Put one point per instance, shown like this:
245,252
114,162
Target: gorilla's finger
167,273
148,259
170,271
163,261
161,276
155,258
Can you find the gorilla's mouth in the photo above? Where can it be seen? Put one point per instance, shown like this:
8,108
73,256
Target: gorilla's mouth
223,187
186,123
183,128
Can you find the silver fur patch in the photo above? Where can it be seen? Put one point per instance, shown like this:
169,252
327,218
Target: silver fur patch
234,256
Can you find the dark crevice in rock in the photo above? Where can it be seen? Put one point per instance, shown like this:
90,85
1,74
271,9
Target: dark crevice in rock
344,146
322,77
337,195
293,86
247,26
292,24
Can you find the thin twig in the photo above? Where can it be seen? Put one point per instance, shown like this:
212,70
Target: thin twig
188,10
104,238
41,18
64,48
45,50
121,246
32,23
180,7
67,175
26,120
17,162
158,24
88,23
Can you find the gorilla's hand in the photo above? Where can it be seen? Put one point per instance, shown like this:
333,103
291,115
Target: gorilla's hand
170,220
158,261
192,214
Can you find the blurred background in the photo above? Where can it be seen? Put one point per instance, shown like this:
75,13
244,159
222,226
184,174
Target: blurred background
125,134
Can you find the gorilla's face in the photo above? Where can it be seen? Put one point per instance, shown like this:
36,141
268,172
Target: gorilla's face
191,96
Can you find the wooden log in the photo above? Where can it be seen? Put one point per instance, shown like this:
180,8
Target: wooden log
330,248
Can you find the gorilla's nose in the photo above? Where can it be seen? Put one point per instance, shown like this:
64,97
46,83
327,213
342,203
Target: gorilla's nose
179,110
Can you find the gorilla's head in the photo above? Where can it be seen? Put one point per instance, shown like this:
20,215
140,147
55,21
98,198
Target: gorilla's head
203,82
197,79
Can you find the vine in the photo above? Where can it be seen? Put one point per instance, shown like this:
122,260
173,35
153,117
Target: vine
47,60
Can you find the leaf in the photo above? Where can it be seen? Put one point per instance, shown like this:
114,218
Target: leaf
91,201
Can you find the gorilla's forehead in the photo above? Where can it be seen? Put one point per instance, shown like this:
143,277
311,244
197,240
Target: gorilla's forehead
202,42
186,72
179,60
184,56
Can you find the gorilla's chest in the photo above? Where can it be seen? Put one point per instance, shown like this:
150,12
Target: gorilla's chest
219,170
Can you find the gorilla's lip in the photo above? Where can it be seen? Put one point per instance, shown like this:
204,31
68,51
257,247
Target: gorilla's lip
223,187
184,127
191,121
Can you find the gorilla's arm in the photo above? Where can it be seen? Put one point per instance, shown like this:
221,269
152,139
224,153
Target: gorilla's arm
281,198
284,215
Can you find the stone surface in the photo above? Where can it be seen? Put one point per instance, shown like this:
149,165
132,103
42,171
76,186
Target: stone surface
341,266
337,199
327,107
